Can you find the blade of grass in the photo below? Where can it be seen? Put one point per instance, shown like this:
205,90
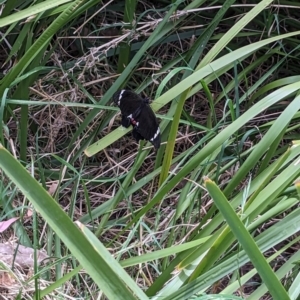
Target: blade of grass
122,78
113,264
245,239
97,267
171,94
31,11
38,45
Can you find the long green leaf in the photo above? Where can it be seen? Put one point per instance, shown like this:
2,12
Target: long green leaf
194,78
245,239
97,267
31,11
39,44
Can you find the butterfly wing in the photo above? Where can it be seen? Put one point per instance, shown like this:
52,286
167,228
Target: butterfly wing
127,101
147,126
126,122
136,112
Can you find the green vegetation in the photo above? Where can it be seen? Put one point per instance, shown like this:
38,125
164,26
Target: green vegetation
214,213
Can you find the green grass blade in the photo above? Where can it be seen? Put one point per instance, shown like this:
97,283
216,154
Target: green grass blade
112,263
31,11
194,78
245,239
172,138
38,46
96,266
218,141
221,44
125,47
267,140
122,78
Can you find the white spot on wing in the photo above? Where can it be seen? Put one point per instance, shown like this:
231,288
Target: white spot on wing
130,116
120,96
155,135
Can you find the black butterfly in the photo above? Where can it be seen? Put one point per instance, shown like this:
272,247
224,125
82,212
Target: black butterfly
137,112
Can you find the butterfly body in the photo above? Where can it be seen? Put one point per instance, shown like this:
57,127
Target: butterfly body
136,111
